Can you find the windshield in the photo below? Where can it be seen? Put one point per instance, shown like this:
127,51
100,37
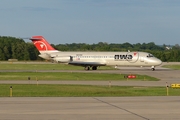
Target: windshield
150,55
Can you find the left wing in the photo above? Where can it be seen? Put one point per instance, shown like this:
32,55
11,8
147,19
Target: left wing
81,63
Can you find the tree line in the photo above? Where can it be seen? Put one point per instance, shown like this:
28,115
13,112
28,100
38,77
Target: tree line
16,48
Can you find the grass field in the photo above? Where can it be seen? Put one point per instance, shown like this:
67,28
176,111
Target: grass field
70,76
175,67
85,76
44,66
82,91
32,90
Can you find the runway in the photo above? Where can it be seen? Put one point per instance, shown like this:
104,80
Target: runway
90,108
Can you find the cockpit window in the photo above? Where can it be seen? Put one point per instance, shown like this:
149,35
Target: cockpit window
150,55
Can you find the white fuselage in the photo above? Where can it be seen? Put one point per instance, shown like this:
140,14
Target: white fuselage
104,58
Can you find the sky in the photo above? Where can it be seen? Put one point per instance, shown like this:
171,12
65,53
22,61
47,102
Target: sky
93,21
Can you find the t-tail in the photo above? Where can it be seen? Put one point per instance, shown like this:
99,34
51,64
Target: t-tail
42,45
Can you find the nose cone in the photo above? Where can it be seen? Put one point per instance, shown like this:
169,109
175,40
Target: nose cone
155,61
158,62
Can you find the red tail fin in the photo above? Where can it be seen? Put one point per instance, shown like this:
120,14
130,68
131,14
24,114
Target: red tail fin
41,44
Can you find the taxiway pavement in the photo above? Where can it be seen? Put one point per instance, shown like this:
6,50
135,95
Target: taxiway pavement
90,108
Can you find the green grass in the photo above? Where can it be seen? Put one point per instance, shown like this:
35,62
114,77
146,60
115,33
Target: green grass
82,91
48,75
79,76
175,67
44,66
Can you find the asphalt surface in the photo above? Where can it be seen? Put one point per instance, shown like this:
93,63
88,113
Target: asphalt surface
90,108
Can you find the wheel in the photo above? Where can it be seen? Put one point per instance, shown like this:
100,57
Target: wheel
152,68
94,68
87,68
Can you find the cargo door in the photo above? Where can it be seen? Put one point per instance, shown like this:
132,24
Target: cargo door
142,59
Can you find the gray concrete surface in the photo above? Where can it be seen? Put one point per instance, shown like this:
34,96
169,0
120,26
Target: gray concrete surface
112,83
90,108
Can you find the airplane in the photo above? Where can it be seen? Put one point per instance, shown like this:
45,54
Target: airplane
93,60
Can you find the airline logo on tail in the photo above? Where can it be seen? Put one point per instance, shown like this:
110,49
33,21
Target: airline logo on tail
41,44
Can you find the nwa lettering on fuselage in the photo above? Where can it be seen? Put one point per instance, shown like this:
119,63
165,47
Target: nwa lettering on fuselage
123,57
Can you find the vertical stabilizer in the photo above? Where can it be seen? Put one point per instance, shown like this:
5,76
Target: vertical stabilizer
42,45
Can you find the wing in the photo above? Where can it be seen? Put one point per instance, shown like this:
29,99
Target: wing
81,63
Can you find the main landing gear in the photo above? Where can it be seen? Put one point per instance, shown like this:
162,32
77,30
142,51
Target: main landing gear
153,68
88,67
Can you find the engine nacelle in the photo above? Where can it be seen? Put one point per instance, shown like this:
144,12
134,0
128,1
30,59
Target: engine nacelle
45,56
63,59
